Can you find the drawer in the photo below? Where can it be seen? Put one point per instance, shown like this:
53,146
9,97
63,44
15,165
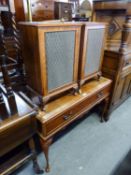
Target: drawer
59,121
48,15
43,5
44,16
65,6
48,5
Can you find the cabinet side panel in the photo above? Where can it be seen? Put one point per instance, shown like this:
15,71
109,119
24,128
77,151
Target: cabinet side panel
31,58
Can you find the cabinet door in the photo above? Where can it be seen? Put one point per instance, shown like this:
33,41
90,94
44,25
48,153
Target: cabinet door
127,87
118,91
123,89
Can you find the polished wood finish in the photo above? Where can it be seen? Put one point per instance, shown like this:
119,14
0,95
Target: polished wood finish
16,129
114,13
83,51
117,56
41,10
63,111
33,36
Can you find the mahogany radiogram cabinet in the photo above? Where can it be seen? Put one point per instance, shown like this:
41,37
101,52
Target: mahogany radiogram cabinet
91,51
117,55
53,50
61,112
63,55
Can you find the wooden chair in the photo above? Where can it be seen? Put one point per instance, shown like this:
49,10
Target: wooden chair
11,47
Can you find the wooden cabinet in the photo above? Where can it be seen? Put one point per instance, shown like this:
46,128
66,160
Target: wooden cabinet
123,90
41,10
117,56
63,10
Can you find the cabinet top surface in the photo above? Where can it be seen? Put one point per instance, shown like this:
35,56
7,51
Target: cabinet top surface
112,1
23,111
59,105
57,23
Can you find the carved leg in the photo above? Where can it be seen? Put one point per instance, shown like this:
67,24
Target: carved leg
99,76
36,167
75,91
3,110
45,146
104,115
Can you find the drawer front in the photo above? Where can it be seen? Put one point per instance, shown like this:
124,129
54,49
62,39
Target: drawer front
45,16
66,117
48,5
65,6
66,14
48,15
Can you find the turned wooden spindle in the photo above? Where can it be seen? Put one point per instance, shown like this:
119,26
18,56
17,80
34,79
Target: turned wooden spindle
126,36
3,62
17,44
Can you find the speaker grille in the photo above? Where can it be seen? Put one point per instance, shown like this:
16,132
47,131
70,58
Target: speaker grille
94,46
60,58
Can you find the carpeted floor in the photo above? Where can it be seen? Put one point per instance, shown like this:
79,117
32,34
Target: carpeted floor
89,147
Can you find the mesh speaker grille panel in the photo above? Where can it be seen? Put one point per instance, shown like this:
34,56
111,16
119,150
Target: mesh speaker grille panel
94,46
60,58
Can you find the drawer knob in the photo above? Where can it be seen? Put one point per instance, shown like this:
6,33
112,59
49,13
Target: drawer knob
66,11
66,117
100,94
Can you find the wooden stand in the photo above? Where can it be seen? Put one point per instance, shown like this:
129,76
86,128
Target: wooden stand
63,111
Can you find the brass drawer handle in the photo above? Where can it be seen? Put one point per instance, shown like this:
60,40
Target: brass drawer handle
66,11
100,94
66,117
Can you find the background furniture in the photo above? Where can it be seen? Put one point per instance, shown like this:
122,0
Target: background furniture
17,121
63,10
15,130
63,111
41,10
117,56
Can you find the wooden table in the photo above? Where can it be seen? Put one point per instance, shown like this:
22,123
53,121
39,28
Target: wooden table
61,112
15,130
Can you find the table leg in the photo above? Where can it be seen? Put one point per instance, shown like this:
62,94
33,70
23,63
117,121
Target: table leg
104,115
45,147
36,167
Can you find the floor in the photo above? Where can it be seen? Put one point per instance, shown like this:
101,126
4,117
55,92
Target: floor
89,147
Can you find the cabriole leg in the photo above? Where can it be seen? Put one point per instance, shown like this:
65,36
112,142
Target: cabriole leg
36,167
45,147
